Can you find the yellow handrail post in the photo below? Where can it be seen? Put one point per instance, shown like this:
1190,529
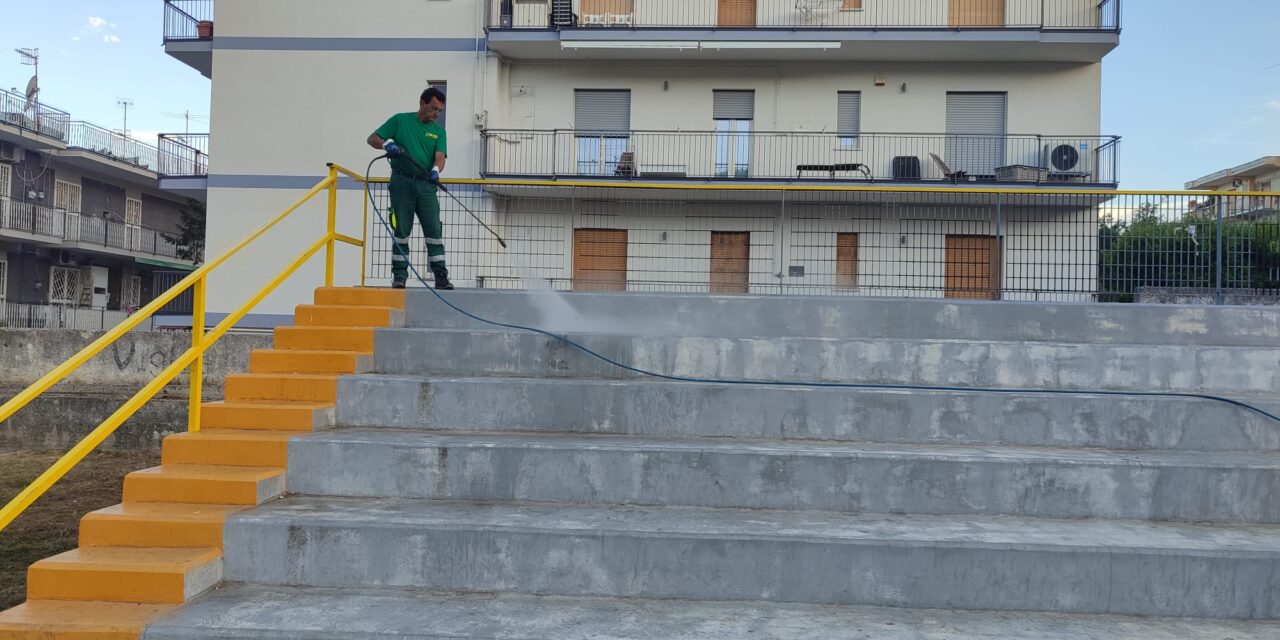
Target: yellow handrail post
196,394
333,225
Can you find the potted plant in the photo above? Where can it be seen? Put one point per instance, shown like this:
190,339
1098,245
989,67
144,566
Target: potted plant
204,29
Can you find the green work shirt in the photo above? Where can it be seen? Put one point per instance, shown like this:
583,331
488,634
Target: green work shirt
421,140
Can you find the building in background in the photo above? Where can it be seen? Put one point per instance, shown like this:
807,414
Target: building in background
1260,176
951,94
86,232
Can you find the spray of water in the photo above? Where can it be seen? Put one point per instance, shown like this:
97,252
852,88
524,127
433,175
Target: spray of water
558,315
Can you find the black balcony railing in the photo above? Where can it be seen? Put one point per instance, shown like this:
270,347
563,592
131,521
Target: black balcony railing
188,20
112,145
31,115
1070,15
54,224
901,157
184,155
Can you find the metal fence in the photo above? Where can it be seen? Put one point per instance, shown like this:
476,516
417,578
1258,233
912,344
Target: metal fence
57,225
1067,15
182,19
32,218
765,155
112,145
17,111
46,316
184,155
977,244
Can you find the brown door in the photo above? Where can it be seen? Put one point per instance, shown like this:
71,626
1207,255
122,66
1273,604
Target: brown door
737,13
599,260
846,260
973,267
977,13
730,262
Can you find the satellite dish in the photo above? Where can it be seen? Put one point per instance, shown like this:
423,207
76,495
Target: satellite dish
33,90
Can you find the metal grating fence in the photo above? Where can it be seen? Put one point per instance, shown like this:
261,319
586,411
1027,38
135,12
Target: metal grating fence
1023,245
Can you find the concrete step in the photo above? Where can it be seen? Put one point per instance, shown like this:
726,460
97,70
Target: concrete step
125,574
304,361
245,611
341,315
202,484
229,448
959,562
851,317
281,387
1233,370
677,409
70,620
267,416
360,297
321,338
764,474
156,524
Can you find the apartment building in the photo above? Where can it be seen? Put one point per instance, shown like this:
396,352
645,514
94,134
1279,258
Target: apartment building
561,105
84,224
1259,176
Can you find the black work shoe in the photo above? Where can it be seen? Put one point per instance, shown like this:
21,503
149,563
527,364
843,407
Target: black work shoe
442,283
398,282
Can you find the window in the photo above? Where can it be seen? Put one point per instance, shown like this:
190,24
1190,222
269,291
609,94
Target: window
602,121
849,117
5,181
4,279
976,133
851,4
131,293
67,196
133,223
733,112
64,285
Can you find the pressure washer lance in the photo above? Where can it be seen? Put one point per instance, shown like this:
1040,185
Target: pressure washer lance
417,167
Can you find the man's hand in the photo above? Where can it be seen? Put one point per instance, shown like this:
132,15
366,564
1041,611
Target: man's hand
435,175
393,150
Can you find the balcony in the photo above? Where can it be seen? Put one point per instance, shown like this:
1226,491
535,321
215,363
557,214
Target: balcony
184,164
188,33
34,124
707,156
882,30
92,148
40,224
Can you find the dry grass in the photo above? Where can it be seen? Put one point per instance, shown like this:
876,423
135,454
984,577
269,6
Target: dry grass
51,525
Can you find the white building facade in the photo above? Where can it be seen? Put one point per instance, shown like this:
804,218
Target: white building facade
720,101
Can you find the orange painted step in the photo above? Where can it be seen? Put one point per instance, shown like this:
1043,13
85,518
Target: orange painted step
69,620
204,484
156,524
288,387
119,574
258,416
325,338
307,361
360,297
347,316
228,447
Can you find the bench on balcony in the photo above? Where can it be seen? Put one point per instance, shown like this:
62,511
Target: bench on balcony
833,169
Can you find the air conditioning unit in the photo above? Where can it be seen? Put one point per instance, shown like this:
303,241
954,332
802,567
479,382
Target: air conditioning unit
1062,157
9,153
66,259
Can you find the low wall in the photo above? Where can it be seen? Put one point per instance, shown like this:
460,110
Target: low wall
72,408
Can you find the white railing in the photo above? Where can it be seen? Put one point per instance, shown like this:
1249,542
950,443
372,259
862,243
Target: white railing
32,218
19,315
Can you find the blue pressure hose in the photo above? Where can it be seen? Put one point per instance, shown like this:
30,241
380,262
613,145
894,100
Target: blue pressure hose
778,383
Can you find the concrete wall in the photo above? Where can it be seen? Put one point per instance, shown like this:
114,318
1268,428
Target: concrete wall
75,406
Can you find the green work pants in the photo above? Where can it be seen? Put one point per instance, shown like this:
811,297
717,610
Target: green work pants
409,198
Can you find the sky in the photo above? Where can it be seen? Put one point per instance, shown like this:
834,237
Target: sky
1194,87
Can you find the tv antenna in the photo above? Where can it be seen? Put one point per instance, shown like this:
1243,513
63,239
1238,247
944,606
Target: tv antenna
185,116
31,58
125,104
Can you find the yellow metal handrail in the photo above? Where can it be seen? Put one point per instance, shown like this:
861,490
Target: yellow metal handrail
193,357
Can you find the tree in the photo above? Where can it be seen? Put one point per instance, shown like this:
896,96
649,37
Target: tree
190,236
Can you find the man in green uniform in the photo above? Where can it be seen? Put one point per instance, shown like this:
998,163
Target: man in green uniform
416,135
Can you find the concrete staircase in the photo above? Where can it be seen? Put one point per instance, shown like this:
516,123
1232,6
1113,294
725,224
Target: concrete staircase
489,483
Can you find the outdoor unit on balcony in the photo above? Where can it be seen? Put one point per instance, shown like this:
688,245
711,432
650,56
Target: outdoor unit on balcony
562,14
1066,163
9,153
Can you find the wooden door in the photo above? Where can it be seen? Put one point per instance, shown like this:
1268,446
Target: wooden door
736,13
973,267
607,7
730,262
599,260
846,260
977,13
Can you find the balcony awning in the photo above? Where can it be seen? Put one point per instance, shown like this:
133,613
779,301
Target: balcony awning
165,263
